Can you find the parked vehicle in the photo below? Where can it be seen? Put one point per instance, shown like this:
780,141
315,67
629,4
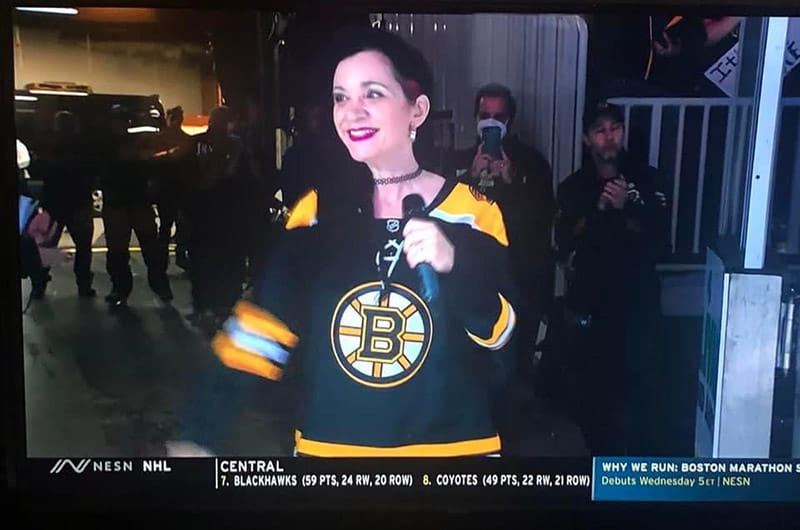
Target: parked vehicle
36,106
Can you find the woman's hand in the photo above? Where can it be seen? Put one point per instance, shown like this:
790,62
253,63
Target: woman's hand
426,243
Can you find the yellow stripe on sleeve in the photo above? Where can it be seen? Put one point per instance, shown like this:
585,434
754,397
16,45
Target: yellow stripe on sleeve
503,327
304,212
237,358
466,205
255,320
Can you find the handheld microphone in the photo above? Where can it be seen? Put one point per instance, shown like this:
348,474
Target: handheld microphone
414,206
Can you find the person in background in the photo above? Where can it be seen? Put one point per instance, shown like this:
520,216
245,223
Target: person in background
298,173
174,148
520,181
217,220
612,227
257,186
652,55
67,193
30,259
127,207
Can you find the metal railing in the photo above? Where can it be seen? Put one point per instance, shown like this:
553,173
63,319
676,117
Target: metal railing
727,162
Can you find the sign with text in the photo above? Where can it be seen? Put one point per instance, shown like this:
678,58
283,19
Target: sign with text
723,72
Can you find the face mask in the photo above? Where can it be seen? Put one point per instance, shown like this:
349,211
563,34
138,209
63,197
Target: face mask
482,124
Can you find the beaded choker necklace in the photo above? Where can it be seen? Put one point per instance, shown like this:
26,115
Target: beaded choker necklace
398,179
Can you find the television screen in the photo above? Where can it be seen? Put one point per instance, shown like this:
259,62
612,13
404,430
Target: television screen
464,256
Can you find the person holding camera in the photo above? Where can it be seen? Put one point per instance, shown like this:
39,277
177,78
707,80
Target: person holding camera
519,179
612,226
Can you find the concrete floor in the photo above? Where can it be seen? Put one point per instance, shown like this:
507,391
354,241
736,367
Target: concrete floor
105,383
101,383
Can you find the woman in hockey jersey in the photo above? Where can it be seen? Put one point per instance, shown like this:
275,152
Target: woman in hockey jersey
387,362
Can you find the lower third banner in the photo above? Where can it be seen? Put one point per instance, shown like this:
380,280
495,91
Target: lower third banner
690,479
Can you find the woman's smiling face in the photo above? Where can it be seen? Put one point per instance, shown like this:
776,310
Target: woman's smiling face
372,115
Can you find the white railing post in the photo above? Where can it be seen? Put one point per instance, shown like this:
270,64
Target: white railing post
733,159
701,180
655,134
727,169
739,167
676,189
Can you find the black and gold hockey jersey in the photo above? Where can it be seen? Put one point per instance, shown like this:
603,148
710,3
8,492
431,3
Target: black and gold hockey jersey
383,373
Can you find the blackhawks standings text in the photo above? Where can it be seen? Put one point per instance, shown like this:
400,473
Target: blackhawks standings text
254,473
478,479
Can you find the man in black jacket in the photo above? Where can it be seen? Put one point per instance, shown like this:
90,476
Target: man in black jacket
217,249
67,193
520,182
612,227
522,185
127,207
173,151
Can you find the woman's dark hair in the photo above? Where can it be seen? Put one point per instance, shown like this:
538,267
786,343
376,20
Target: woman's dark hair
348,197
410,68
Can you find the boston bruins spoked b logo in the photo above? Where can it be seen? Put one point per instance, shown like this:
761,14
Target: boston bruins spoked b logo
381,343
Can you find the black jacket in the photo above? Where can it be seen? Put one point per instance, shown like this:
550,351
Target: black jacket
173,152
528,205
128,172
67,176
613,251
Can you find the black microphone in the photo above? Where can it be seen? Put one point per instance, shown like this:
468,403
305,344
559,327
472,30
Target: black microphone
414,206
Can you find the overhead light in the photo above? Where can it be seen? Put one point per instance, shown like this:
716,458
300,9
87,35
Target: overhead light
143,129
50,10
59,92
17,97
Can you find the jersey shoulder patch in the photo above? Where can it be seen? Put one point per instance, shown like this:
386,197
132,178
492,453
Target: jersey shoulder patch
466,205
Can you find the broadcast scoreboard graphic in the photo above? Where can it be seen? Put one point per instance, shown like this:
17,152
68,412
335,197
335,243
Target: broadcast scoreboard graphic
479,480
578,481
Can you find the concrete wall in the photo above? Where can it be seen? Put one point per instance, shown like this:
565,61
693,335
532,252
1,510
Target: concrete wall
176,72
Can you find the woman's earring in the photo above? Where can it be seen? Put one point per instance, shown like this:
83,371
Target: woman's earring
413,134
